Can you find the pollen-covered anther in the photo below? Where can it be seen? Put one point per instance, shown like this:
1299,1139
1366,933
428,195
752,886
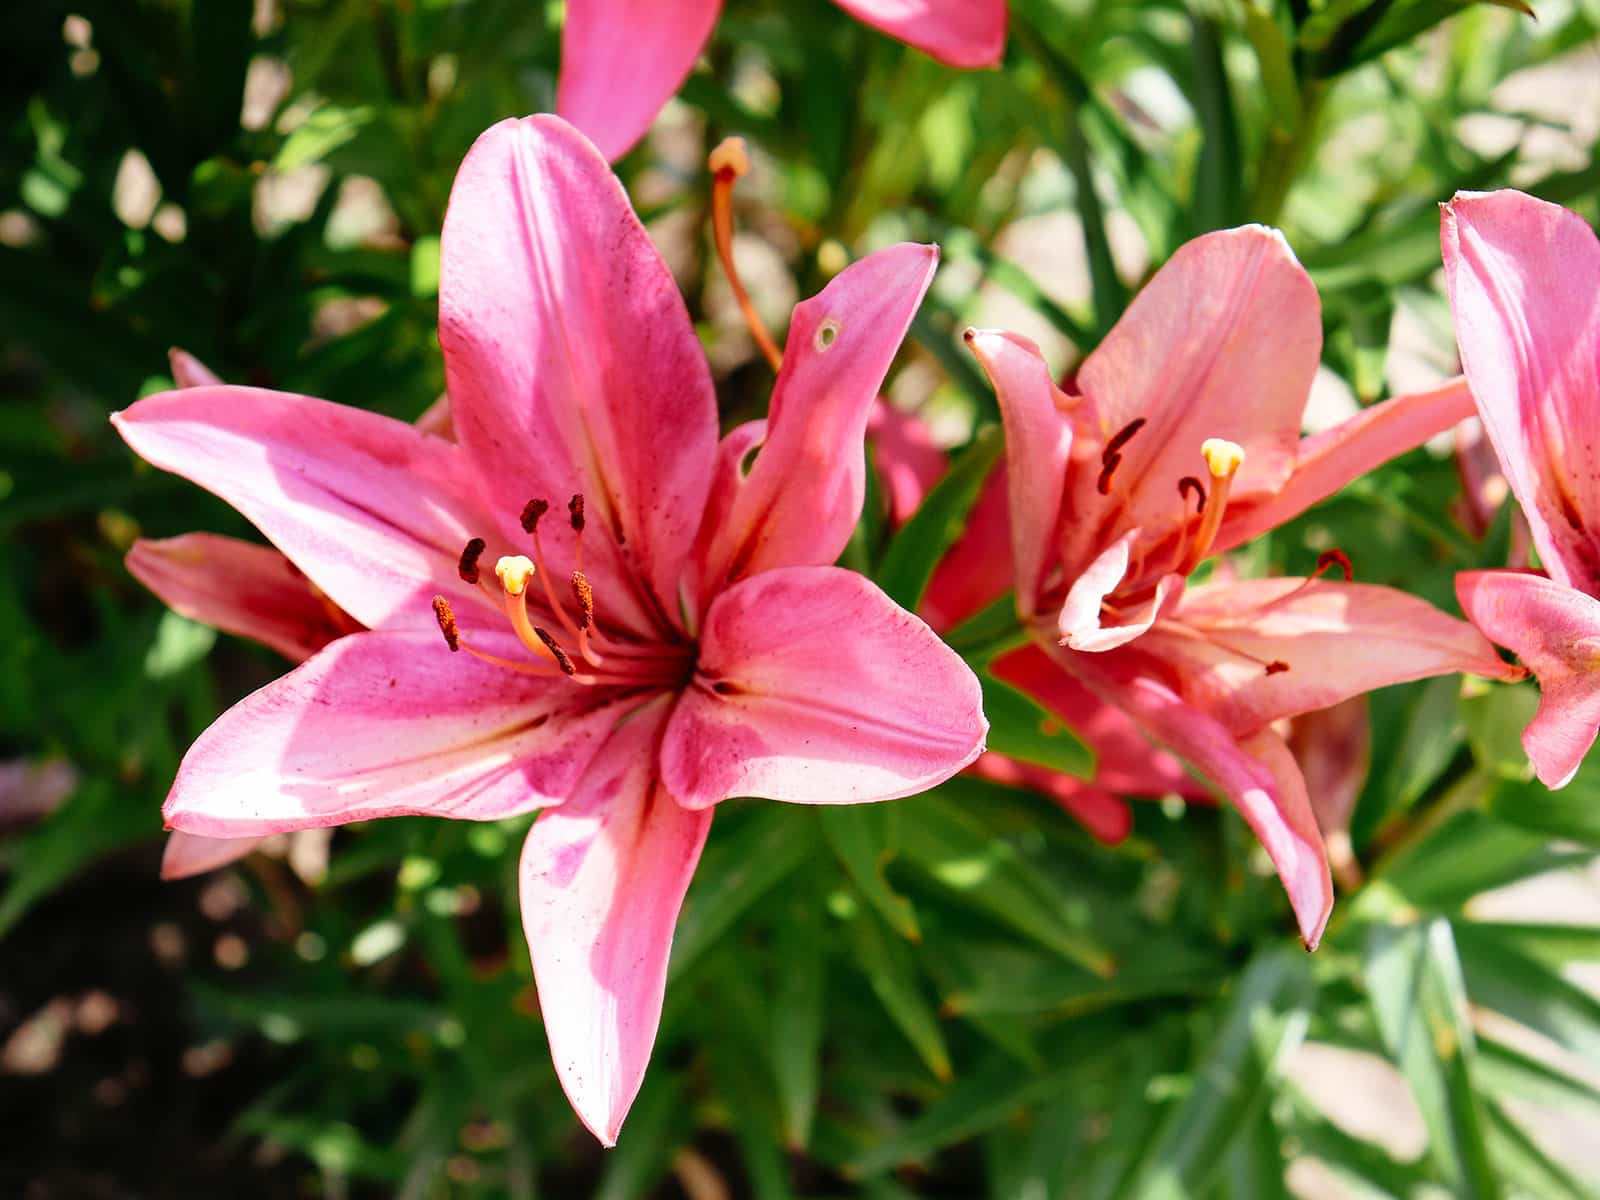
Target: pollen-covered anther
514,571
445,615
531,512
584,595
1223,458
575,511
560,655
467,567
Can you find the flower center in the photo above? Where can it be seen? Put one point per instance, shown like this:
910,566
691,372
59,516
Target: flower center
582,654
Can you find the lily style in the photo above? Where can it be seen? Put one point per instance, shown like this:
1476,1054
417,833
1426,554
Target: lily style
1181,440
585,604
1524,283
621,60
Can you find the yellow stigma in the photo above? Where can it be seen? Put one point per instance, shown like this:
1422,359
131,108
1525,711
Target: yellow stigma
514,571
730,155
1222,457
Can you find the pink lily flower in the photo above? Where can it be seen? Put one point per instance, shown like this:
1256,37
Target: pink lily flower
1183,441
1530,344
678,639
974,574
621,60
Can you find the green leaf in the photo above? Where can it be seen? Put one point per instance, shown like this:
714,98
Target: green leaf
1573,812
862,837
1506,1071
1524,1163
1261,1023
734,873
798,1017
940,519
1023,730
1503,977
323,132
1419,997
891,972
956,850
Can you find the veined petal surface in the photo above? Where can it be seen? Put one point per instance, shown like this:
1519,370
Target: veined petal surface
813,686
390,724
602,880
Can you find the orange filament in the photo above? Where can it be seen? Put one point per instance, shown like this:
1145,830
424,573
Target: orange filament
728,162
1223,459
531,512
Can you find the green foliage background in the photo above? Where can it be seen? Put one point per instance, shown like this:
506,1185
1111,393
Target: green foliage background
955,995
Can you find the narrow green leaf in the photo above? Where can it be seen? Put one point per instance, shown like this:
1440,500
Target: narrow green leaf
1419,997
1573,812
1525,1164
1260,1025
1506,1071
734,873
891,971
956,850
1505,978
798,1017
916,549
1021,729
862,837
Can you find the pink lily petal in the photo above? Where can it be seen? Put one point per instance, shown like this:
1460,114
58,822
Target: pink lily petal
1333,747
1080,620
840,345
976,571
1530,344
622,60
1108,818
1483,487
1038,446
959,33
1125,761
188,854
734,459
1327,461
1223,342
1330,641
907,458
390,724
603,878
188,371
1554,630
241,588
813,686
435,419
578,371
372,511
1257,773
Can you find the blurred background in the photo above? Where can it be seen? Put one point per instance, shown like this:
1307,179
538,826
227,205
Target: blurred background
959,995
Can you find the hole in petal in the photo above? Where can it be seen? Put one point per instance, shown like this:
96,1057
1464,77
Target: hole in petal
827,334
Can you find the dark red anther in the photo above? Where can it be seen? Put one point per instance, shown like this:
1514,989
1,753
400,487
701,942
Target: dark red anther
445,615
1189,483
1277,667
531,512
467,568
1107,470
1329,557
551,645
1123,437
575,508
